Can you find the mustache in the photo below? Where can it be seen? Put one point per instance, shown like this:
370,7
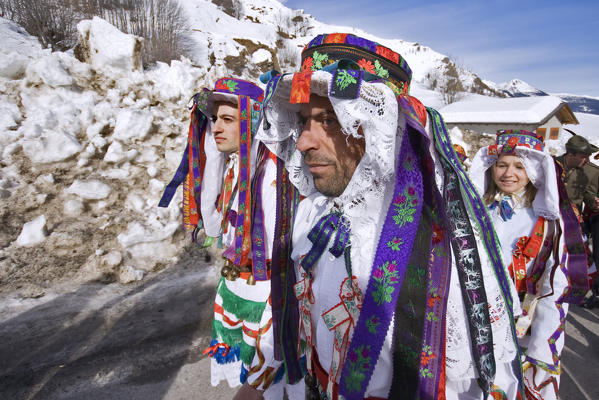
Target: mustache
311,157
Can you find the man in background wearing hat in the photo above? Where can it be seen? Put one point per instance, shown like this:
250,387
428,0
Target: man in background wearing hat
581,183
397,289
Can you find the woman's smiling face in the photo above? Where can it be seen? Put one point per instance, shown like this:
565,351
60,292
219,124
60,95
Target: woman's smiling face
509,174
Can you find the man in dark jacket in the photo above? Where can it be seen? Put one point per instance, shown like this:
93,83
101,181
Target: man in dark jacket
581,183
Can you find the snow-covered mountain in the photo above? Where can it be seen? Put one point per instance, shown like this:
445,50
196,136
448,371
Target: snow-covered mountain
517,88
581,104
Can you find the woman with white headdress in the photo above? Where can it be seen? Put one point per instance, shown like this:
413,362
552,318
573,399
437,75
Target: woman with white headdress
541,247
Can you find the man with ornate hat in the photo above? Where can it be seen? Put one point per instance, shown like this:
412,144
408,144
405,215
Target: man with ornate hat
230,191
396,288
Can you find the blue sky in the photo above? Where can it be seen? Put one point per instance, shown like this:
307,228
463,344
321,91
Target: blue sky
552,45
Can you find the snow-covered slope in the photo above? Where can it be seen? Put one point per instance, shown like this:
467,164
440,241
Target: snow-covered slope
269,26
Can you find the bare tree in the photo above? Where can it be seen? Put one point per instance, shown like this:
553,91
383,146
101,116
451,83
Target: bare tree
50,20
160,22
449,84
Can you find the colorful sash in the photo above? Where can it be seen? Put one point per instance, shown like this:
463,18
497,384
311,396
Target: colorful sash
189,172
259,268
243,226
388,271
526,249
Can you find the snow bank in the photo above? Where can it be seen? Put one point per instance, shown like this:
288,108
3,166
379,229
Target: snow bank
104,46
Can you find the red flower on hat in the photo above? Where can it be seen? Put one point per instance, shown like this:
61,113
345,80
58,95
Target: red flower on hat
367,65
220,85
512,142
335,38
387,53
492,150
307,64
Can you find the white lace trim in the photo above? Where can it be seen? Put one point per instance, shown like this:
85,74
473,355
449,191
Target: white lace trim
375,111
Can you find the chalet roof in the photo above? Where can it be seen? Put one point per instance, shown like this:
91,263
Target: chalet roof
534,110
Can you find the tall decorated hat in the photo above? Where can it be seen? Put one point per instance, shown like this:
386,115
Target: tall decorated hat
341,66
539,165
202,166
372,57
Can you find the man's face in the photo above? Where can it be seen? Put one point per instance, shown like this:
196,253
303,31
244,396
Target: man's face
576,160
331,155
225,118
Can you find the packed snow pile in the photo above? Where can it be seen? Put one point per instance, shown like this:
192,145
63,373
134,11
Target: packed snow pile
86,149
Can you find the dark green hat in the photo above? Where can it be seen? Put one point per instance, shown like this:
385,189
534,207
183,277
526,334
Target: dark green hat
578,144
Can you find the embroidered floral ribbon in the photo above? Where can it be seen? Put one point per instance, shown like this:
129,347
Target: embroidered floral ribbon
471,283
189,170
285,309
431,374
410,311
226,198
243,226
305,298
389,266
259,268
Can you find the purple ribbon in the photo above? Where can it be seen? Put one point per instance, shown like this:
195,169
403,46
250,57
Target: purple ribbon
244,176
259,269
388,271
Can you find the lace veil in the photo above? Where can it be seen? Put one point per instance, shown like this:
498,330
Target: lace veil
375,111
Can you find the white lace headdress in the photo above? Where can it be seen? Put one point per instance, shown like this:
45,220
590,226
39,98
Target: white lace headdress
539,165
375,110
